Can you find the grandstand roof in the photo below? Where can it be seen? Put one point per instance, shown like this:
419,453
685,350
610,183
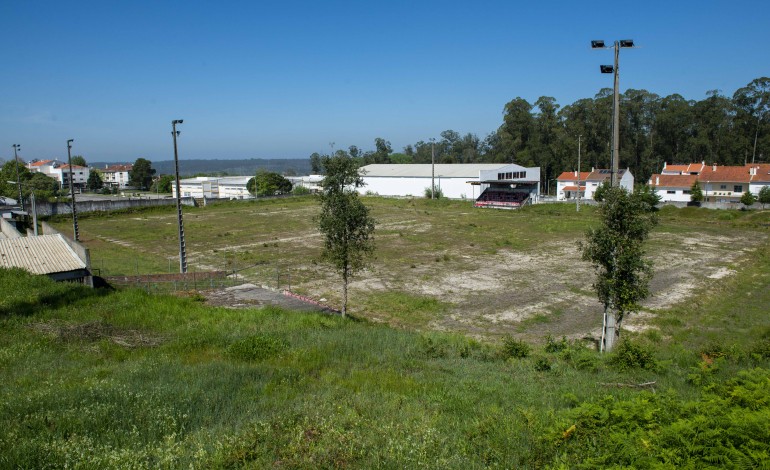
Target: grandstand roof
44,254
423,170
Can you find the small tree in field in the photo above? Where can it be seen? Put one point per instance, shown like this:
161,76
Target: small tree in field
748,199
764,196
696,193
345,223
616,251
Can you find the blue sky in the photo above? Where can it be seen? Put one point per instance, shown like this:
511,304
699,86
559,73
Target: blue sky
282,79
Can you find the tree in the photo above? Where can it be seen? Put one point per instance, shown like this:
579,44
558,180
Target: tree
648,196
94,182
164,183
79,160
748,199
601,191
315,163
140,175
345,223
616,250
696,193
268,184
764,196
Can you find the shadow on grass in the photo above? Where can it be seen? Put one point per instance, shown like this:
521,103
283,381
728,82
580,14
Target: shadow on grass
27,294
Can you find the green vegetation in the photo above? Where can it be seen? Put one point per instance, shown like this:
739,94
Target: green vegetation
113,379
696,193
344,222
616,250
748,199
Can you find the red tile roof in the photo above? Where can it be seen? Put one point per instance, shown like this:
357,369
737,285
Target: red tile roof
672,181
40,163
728,174
118,168
570,176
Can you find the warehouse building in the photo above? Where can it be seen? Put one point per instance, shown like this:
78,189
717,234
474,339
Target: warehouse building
455,181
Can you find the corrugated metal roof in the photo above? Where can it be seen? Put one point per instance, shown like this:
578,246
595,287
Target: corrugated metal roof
45,254
423,170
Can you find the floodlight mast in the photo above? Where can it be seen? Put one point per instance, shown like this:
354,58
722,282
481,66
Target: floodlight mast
182,248
599,44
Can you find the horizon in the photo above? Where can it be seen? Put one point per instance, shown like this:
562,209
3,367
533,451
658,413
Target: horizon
281,81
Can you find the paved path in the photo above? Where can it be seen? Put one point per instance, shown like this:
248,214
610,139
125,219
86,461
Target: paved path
249,295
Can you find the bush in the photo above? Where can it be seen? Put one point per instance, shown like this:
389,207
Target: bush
438,194
300,191
515,348
542,364
553,346
257,347
630,355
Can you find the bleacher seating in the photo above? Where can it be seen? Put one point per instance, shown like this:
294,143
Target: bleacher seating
501,198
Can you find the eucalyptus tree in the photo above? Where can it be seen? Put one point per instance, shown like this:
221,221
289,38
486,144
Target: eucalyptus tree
616,250
753,101
345,222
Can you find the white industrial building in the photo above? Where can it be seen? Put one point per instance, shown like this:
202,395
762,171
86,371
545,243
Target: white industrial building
210,187
456,180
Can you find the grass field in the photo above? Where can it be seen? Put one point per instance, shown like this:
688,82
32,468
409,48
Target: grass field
484,273
100,379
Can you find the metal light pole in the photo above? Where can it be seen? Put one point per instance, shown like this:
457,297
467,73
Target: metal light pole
577,201
16,148
599,44
432,167
72,192
182,252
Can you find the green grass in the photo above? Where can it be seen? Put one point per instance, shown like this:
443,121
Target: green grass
125,379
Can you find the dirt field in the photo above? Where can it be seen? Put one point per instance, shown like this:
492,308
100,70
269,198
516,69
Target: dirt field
493,272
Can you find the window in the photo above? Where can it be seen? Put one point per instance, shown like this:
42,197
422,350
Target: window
738,188
670,191
722,186
686,191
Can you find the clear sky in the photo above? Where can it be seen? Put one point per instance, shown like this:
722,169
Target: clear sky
283,79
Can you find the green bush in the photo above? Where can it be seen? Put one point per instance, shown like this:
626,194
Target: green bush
300,191
257,347
553,346
542,364
631,355
515,348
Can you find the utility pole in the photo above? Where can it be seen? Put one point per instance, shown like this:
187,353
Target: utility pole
16,148
182,251
72,191
577,201
432,167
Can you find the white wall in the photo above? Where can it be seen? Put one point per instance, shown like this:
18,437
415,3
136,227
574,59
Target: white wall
673,194
453,188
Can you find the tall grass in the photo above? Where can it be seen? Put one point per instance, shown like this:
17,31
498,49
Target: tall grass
127,379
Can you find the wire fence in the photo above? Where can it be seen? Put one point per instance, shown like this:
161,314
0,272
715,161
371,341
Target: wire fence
134,273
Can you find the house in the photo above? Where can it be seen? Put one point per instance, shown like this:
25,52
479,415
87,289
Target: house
567,183
115,176
454,181
61,172
719,183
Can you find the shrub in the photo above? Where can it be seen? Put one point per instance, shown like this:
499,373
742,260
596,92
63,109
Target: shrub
438,194
515,348
630,355
553,346
542,364
300,191
257,347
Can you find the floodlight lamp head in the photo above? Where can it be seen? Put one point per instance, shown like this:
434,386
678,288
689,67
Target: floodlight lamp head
606,68
177,121
626,43
597,44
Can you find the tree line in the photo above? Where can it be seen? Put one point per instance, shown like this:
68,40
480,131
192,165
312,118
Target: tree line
727,130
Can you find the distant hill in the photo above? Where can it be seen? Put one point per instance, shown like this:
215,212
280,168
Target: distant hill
298,166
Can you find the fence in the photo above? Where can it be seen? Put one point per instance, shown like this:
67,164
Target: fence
270,276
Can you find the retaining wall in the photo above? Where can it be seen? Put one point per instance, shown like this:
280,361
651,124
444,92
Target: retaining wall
54,208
